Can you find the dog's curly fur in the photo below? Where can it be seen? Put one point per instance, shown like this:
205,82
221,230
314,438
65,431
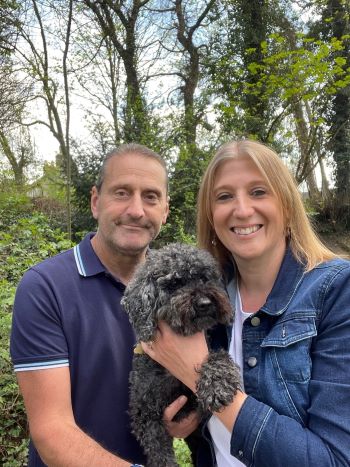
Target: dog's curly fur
180,285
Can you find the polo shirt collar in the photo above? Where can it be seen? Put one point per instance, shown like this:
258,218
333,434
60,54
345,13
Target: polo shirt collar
86,260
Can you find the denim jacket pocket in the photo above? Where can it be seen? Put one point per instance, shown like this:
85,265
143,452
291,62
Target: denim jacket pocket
288,346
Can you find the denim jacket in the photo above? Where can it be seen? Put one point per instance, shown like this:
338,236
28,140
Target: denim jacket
296,353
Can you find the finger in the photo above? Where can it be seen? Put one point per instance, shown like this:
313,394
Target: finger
183,428
173,408
147,347
163,327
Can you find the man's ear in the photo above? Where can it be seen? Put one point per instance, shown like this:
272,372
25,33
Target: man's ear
166,213
94,202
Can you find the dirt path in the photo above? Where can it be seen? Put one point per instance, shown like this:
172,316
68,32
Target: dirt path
338,243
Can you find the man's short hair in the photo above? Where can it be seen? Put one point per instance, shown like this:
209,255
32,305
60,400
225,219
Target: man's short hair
130,148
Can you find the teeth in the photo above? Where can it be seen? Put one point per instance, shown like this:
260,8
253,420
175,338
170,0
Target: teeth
246,230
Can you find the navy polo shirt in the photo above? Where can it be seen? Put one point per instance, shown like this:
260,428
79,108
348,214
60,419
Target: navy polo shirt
67,312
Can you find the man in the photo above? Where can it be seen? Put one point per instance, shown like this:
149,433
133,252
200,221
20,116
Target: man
71,341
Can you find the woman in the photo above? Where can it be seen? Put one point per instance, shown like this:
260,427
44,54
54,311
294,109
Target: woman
292,320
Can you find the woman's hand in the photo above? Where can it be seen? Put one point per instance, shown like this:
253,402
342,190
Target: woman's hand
182,356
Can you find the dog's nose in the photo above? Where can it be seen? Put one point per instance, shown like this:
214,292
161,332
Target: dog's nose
202,304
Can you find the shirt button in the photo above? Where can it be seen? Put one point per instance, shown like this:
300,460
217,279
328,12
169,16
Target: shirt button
252,361
255,321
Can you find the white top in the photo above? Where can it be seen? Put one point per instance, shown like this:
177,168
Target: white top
220,435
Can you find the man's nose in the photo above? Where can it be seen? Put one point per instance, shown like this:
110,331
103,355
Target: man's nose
135,207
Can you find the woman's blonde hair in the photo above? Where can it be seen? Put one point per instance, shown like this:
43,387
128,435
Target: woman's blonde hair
304,243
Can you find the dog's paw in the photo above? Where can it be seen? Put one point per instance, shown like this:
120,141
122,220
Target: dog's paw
219,380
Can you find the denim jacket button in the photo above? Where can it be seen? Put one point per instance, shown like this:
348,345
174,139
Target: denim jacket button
240,454
255,321
252,361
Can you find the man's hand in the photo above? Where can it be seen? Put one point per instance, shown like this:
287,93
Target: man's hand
183,428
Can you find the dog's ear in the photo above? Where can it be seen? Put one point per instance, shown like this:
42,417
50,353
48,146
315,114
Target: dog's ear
140,303
225,309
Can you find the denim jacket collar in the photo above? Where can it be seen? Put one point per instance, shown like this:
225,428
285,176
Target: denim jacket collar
282,291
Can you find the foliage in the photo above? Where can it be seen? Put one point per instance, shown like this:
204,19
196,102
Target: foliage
8,22
13,426
290,65
26,237
88,164
185,176
48,195
309,69
183,455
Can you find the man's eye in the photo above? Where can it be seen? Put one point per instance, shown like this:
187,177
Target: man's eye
151,197
121,194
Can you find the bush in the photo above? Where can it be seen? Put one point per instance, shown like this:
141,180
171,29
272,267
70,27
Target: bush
183,454
26,238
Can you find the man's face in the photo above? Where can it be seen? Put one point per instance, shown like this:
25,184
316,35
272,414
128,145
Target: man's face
132,203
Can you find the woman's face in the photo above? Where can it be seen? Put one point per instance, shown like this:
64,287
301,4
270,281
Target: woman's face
247,216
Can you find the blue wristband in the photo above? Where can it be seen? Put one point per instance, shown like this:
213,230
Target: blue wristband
136,465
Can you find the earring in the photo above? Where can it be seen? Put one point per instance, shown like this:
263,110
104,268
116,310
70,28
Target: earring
213,242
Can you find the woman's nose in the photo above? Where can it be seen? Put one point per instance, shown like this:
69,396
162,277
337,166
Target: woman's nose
243,206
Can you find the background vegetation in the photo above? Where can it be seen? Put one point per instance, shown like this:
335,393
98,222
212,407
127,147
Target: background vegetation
79,77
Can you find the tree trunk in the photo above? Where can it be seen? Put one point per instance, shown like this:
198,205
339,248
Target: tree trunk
338,10
17,166
305,169
135,113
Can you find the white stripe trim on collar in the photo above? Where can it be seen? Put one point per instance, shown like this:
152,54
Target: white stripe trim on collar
79,261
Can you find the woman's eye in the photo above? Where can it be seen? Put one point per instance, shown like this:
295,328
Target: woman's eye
223,196
259,192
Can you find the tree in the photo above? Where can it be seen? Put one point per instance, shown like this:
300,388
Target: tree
290,81
190,43
234,68
34,54
12,92
335,25
17,148
118,21
99,75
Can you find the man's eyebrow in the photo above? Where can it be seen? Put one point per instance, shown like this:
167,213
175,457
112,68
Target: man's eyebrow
126,186
120,185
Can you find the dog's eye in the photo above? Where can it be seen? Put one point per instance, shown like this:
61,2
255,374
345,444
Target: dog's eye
163,280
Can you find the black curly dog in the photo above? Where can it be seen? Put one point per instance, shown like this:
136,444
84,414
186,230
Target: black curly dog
179,284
